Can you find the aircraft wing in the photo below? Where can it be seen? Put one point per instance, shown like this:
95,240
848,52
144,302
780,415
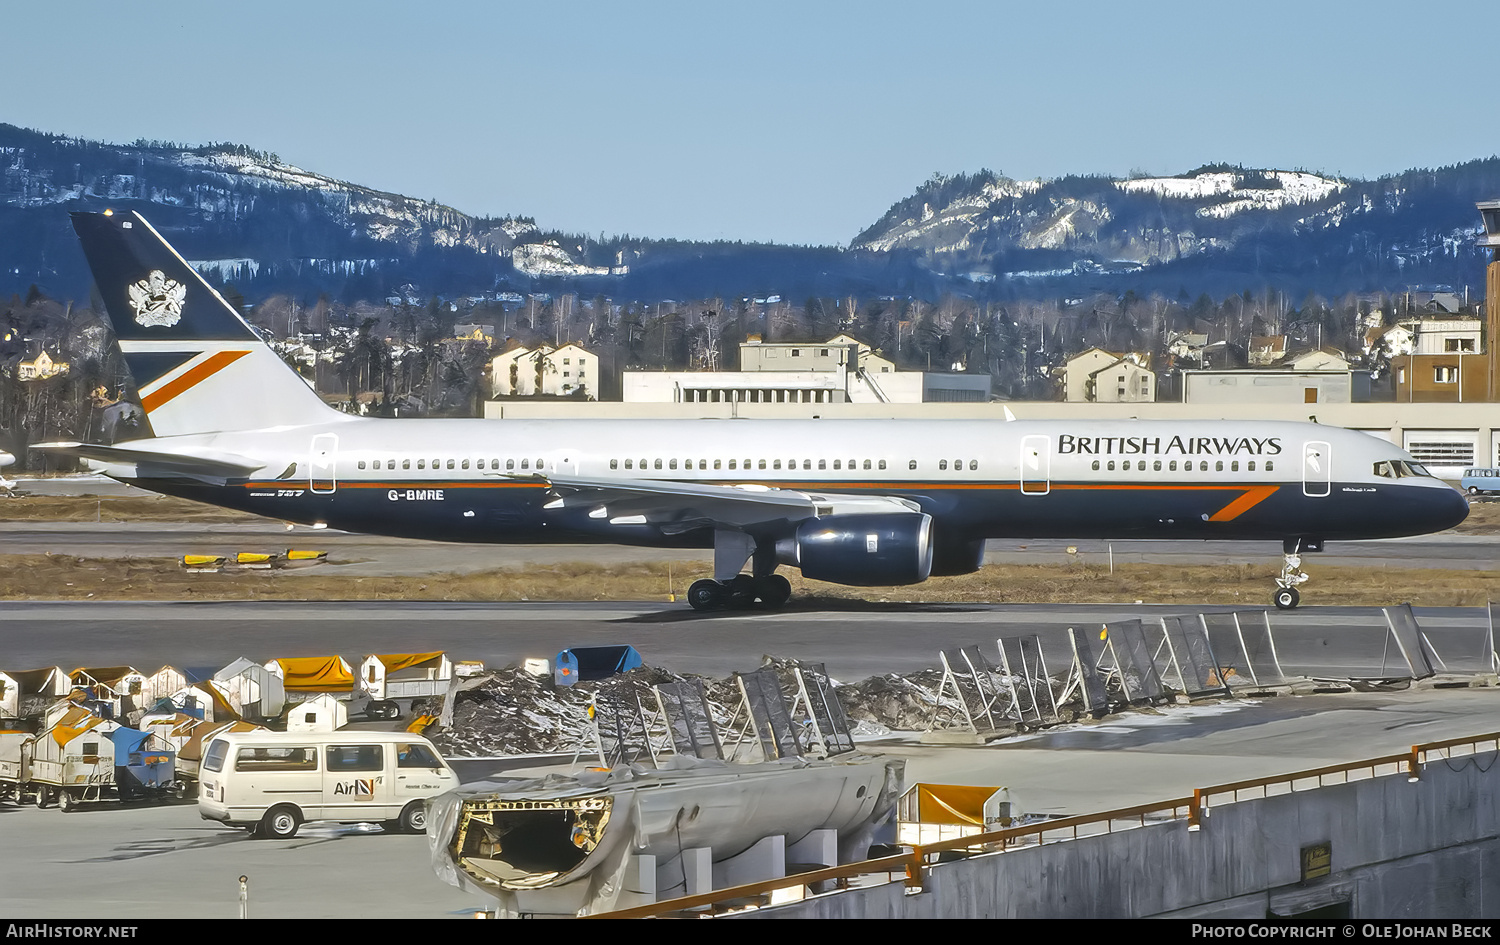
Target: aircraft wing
683,506
205,465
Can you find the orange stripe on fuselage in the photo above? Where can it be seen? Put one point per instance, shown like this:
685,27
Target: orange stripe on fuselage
1250,496
190,378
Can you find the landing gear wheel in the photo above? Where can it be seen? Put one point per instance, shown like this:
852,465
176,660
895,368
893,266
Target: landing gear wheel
706,595
1286,598
741,590
414,818
773,590
280,823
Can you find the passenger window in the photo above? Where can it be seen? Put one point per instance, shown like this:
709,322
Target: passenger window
762,464
973,464
1172,466
361,464
911,464
1156,466
525,464
1141,465
836,464
353,758
614,464
1111,467
511,464
464,464
657,464
807,464
822,464
416,756
942,464
703,464
776,464
1096,464
276,759
672,464
538,464
882,464
731,463
406,464
867,464
1250,465
716,463
421,464
1270,465
1234,466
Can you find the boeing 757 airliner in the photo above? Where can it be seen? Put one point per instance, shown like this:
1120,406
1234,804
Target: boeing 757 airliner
858,502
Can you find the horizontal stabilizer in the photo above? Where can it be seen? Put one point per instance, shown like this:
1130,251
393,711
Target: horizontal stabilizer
200,464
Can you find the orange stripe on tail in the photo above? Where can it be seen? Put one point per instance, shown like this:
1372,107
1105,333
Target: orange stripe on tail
190,379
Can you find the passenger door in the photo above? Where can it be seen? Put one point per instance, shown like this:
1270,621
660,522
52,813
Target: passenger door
322,477
1317,468
1036,464
354,785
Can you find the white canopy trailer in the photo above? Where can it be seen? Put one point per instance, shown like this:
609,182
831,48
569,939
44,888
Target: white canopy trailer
35,689
204,700
321,713
160,685
123,683
101,703
10,697
74,759
393,680
255,691
15,763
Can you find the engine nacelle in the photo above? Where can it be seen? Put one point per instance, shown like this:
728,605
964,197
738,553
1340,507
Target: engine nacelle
866,550
957,557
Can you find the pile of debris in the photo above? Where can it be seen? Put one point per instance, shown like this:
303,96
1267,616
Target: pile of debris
515,712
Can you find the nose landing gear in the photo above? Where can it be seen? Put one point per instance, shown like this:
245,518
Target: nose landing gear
1292,575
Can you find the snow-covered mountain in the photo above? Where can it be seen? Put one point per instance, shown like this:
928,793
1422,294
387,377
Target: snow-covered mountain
249,218
1216,221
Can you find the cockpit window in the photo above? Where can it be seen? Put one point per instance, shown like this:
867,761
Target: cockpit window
1396,469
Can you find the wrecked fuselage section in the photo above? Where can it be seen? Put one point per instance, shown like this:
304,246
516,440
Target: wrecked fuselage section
605,840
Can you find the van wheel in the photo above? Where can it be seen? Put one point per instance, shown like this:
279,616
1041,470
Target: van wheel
280,823
1473,490
414,818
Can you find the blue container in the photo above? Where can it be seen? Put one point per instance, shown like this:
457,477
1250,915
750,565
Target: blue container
583,663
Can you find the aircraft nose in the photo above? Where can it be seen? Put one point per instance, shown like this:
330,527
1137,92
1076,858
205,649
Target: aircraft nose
1455,508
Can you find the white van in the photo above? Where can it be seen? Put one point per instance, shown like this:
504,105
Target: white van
270,783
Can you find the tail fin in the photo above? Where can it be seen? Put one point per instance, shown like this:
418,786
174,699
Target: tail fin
198,366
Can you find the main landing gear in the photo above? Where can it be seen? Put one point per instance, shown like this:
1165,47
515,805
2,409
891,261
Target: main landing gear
1292,575
740,593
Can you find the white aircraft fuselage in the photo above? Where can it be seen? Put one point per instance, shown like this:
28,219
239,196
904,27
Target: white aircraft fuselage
862,502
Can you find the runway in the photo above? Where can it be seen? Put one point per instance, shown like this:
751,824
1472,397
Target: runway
375,556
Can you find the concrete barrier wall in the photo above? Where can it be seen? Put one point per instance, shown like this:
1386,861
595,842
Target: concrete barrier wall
1400,850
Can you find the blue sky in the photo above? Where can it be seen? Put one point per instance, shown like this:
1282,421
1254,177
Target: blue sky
795,122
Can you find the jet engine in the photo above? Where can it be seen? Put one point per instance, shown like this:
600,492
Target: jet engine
956,556
865,550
